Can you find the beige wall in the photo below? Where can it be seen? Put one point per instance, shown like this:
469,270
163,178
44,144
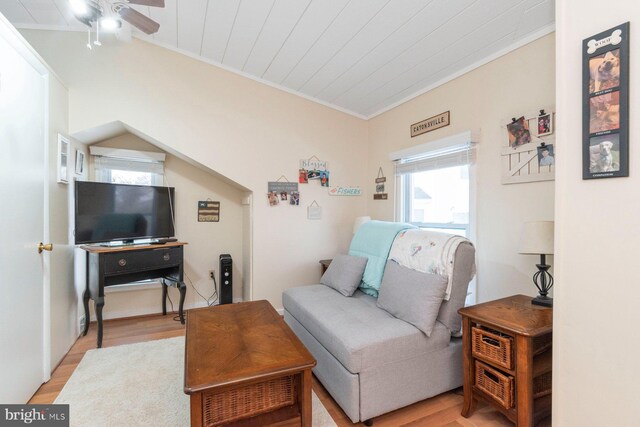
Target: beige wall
596,379
244,130
518,83
206,240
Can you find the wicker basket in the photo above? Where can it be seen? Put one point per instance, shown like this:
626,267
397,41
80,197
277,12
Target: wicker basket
232,405
542,385
492,346
495,384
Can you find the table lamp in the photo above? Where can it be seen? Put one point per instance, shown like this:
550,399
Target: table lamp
537,239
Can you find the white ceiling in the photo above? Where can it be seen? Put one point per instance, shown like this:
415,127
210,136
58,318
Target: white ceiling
360,56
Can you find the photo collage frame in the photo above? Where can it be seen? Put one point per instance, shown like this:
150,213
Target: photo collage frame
605,101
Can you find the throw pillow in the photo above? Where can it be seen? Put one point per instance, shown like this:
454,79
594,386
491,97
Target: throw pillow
411,295
344,274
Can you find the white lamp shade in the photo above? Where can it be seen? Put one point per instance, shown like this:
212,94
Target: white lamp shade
359,221
537,238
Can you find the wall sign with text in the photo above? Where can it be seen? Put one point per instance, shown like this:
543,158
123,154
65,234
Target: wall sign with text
340,190
208,211
314,169
380,180
285,193
430,124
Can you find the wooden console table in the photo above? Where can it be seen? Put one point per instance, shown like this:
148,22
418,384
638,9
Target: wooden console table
507,358
245,366
110,266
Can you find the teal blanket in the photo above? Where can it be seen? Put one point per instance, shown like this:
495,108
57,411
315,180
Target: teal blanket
373,240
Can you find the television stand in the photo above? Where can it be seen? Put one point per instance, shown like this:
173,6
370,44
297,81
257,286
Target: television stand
110,266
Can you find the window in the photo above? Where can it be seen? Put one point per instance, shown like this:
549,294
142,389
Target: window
128,166
435,186
438,199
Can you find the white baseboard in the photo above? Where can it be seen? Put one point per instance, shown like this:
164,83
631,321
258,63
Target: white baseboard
138,312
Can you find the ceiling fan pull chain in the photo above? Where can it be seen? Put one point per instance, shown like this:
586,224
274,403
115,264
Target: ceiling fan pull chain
97,42
89,39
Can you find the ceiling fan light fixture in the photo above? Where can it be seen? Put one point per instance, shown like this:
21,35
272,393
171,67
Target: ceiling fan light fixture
79,7
109,23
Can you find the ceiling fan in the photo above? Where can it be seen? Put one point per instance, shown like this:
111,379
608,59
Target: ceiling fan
108,14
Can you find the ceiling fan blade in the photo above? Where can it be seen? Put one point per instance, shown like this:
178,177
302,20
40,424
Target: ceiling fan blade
138,20
152,3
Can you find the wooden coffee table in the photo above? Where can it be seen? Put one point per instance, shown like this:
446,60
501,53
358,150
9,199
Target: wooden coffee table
244,365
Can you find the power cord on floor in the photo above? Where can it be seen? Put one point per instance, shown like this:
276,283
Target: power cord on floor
177,315
211,301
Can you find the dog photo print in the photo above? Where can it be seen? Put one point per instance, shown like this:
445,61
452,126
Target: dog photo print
604,112
605,104
604,154
604,71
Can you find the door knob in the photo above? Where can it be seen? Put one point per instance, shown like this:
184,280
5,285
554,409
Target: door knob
43,247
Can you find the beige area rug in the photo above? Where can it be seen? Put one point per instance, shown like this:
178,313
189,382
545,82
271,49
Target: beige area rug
138,385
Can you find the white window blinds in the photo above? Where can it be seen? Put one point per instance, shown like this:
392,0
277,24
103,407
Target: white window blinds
457,150
128,166
134,165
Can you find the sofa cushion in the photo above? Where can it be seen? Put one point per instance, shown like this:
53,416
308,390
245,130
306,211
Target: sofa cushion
358,333
344,274
411,295
462,275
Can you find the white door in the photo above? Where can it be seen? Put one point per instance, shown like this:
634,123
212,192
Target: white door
23,99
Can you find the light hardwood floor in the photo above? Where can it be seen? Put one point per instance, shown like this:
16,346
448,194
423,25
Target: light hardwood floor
442,410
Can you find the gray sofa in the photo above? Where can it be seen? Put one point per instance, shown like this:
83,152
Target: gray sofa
368,360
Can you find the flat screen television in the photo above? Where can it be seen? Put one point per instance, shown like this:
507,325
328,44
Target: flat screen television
107,212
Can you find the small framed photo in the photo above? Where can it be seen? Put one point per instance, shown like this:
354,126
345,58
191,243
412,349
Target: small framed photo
272,196
546,156
545,124
79,162
294,200
324,178
302,176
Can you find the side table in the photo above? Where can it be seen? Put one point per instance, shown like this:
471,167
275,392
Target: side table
325,264
507,358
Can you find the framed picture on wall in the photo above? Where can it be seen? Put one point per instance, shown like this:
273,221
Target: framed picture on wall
545,124
63,160
79,162
605,104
